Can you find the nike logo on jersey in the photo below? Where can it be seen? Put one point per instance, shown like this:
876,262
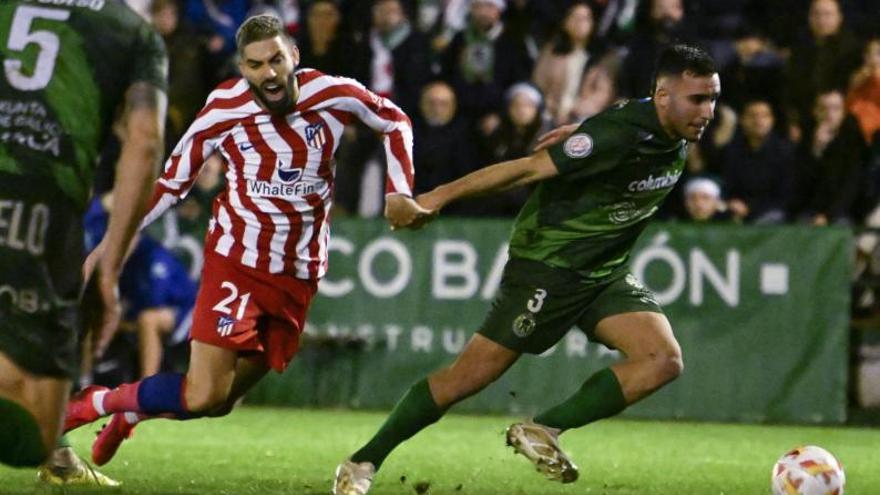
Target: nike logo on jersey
245,146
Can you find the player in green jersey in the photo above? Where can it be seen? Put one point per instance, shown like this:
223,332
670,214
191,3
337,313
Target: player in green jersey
68,68
596,189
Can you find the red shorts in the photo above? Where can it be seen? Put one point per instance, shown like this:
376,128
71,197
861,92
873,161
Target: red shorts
247,310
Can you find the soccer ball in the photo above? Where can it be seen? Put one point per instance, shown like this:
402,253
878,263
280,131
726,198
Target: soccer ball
808,470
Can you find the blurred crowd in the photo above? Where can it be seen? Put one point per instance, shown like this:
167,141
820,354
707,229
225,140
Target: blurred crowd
795,135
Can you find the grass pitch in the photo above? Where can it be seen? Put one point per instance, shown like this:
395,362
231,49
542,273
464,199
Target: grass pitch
290,451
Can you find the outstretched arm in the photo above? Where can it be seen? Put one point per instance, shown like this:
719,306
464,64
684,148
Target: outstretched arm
556,135
384,117
494,178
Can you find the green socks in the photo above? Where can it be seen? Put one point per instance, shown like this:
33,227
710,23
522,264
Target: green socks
413,413
599,397
21,443
62,442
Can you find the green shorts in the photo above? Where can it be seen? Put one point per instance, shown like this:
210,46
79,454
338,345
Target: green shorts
537,305
41,252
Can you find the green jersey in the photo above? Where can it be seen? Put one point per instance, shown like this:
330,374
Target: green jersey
66,66
614,171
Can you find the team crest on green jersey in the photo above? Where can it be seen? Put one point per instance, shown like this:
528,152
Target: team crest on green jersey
524,325
578,145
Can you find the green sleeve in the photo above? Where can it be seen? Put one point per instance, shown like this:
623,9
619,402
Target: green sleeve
598,144
149,58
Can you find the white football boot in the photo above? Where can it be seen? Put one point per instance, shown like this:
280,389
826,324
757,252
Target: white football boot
540,444
353,478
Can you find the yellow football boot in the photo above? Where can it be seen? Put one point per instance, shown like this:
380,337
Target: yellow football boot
65,468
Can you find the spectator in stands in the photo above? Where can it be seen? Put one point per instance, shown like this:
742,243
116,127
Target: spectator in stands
187,87
322,45
781,20
525,21
393,60
482,61
442,149
863,99
659,22
156,292
757,168
703,201
831,164
521,124
218,19
755,72
826,59
568,71
716,24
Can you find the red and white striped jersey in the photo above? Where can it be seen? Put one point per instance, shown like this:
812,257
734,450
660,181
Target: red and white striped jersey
274,213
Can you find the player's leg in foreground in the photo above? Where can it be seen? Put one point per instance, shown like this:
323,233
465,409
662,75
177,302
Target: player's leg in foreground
152,325
31,407
65,468
266,326
248,371
217,377
480,363
653,359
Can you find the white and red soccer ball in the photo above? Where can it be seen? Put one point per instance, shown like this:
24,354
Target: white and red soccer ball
808,470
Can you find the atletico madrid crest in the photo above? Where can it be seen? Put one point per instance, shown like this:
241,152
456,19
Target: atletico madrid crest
225,325
315,136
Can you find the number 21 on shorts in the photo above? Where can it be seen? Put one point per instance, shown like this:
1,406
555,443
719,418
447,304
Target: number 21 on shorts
223,306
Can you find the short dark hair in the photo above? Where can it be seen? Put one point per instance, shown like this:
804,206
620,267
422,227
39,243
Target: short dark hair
679,58
258,28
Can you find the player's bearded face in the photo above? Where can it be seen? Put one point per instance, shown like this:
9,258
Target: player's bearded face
269,66
276,94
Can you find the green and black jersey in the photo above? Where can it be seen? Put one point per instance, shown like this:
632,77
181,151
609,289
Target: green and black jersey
614,171
65,67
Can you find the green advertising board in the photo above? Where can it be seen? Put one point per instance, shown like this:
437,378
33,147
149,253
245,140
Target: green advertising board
761,314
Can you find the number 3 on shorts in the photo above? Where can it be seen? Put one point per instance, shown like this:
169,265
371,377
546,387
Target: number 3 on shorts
537,301
223,306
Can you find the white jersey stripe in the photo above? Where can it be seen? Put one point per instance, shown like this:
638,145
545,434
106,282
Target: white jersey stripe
393,142
282,224
251,224
224,244
240,87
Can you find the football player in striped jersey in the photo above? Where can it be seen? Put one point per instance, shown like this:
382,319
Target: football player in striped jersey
276,130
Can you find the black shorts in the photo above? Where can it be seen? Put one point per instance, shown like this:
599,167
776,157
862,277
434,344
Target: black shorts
41,253
537,305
